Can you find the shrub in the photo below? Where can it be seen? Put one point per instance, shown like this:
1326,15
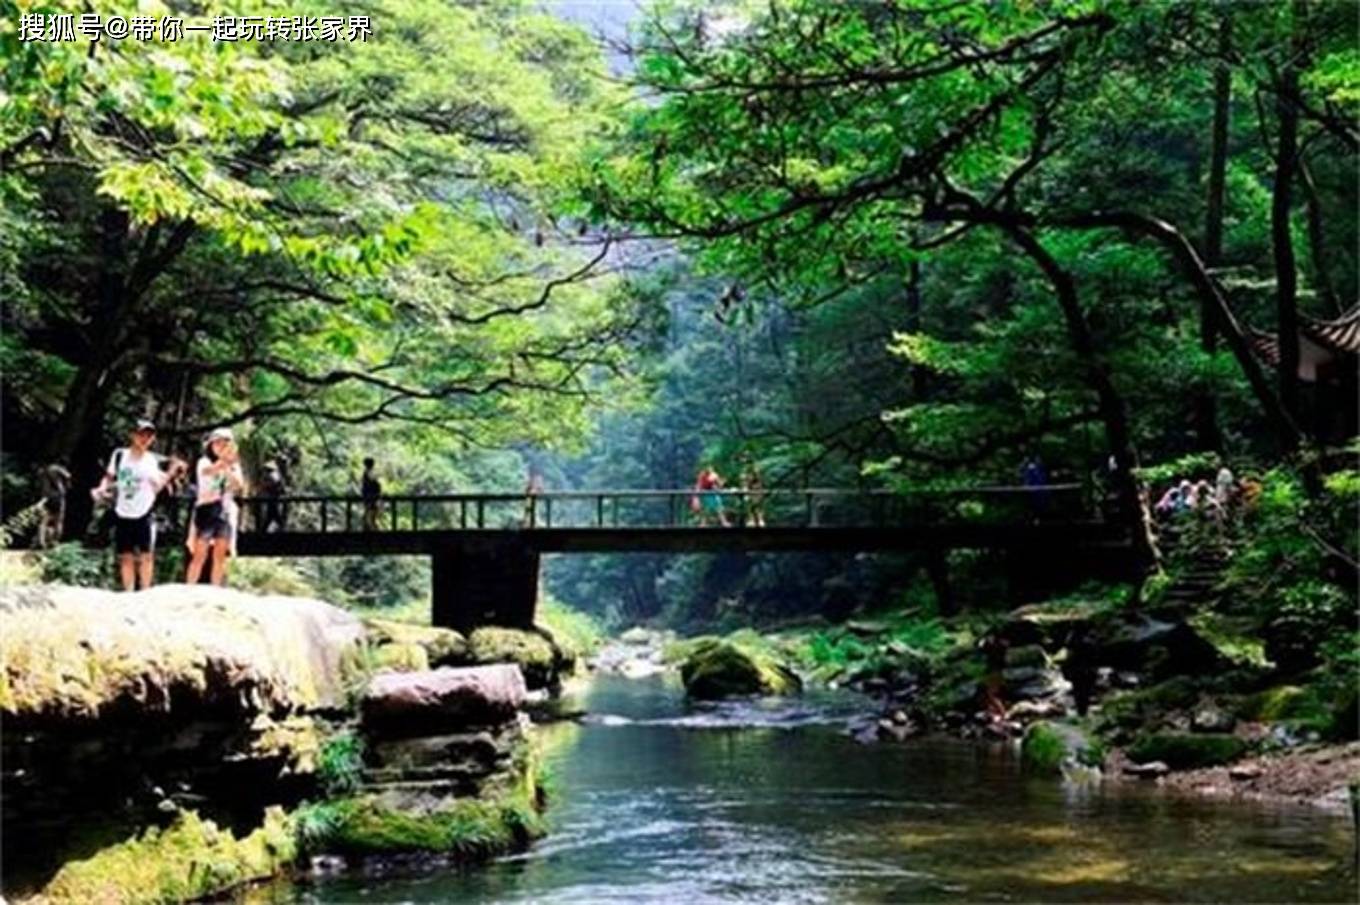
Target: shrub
340,764
270,576
72,563
1043,749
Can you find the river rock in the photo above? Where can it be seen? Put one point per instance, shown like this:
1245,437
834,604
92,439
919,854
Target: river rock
1027,683
538,658
1149,770
1162,648
721,669
1183,751
1208,717
637,636
1244,772
1027,711
423,646
81,653
397,705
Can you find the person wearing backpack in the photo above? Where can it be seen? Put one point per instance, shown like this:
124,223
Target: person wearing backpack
135,477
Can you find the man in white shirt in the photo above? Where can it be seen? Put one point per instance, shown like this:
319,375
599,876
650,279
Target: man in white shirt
135,477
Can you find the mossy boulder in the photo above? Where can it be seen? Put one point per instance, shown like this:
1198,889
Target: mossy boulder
396,644
75,654
405,817
1184,751
190,859
721,669
536,657
678,650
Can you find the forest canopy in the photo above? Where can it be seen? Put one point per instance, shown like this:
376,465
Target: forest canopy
867,244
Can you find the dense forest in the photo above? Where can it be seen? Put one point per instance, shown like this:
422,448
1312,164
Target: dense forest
885,245
1059,300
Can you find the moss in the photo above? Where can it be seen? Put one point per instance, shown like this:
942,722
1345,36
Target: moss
1132,710
680,649
440,646
1235,639
504,818
402,657
1182,751
722,669
189,859
1043,749
531,651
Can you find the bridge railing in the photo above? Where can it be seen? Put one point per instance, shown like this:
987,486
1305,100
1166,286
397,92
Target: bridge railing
642,509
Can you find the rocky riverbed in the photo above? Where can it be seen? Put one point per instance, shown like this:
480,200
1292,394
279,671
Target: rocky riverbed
1168,703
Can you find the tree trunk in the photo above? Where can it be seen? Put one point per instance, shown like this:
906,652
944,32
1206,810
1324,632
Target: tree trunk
1317,244
77,437
1113,411
1282,242
1206,415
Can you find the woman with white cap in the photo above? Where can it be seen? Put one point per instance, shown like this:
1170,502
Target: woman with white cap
214,521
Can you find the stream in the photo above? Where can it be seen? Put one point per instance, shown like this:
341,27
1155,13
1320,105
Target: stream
770,801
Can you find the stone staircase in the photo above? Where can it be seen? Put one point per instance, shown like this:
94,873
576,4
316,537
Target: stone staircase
1197,573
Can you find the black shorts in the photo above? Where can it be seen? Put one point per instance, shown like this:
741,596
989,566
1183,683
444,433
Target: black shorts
134,535
211,522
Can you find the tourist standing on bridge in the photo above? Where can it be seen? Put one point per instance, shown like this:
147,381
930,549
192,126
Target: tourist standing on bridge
370,488
753,490
135,478
709,485
533,486
213,533
1034,477
274,486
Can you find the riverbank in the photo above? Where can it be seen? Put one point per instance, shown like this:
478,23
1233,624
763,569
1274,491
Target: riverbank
1168,706
180,742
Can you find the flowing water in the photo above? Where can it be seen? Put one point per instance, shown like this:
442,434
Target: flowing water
772,802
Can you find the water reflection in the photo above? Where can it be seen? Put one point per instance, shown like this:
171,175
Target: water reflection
772,803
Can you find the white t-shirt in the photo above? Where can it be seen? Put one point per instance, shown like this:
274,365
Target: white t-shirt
212,488
137,480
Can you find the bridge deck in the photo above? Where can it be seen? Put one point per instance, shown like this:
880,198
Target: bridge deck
663,520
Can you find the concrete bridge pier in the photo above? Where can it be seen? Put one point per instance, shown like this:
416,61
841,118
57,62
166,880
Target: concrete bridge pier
484,582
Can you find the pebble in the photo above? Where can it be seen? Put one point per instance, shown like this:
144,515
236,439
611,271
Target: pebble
1244,772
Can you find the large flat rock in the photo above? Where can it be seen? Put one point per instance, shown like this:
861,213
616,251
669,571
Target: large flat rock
419,703
73,654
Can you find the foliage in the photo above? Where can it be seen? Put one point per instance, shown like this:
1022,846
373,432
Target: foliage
270,576
338,248
1043,748
578,633
72,563
1280,572
340,764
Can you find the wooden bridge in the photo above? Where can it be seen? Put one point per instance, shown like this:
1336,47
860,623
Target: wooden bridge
485,548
